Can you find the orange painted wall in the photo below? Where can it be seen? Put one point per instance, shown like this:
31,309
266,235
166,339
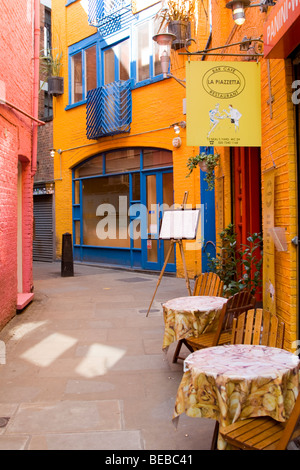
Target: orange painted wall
155,107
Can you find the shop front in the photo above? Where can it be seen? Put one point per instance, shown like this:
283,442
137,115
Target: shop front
118,200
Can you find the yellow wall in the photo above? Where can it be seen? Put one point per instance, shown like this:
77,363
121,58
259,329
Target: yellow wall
154,107
278,148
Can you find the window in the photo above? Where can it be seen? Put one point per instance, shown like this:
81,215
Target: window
116,62
143,69
83,73
77,78
48,106
128,53
90,69
47,32
148,60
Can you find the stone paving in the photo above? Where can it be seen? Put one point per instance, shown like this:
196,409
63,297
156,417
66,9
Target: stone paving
84,368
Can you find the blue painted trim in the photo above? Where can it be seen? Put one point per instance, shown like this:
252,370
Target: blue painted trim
74,105
209,224
149,81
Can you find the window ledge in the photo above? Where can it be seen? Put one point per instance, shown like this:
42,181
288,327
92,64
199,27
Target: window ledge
75,105
148,81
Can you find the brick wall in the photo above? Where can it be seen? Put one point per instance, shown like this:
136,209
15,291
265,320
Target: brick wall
16,38
45,170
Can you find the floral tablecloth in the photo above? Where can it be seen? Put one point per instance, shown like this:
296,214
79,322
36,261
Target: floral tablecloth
190,316
233,382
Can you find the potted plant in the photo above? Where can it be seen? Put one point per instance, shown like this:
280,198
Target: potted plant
239,268
176,15
51,66
207,162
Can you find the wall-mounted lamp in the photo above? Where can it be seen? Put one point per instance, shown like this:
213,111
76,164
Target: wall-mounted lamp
238,8
164,41
52,152
177,125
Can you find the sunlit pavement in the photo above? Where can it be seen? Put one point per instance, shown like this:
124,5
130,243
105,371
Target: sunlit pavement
84,367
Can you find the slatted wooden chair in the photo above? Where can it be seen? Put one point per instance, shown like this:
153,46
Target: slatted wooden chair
258,327
208,284
263,433
236,305
205,284
254,327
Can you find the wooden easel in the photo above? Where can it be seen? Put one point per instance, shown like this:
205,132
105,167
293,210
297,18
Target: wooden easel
172,245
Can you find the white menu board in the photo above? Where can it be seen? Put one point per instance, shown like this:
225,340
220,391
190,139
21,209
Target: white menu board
180,224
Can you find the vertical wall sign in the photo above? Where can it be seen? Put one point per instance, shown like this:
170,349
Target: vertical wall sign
269,302
223,104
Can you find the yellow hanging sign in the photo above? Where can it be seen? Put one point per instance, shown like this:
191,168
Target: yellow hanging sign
223,104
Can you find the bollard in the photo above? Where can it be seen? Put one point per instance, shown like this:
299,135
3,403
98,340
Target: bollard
67,268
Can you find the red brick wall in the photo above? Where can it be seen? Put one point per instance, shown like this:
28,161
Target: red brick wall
16,78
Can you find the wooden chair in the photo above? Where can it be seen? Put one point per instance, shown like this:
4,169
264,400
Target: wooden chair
263,433
205,284
258,327
208,284
254,327
235,306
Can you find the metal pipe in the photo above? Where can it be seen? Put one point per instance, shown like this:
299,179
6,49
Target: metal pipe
40,123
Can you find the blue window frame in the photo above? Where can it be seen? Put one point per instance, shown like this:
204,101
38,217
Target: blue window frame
83,69
126,54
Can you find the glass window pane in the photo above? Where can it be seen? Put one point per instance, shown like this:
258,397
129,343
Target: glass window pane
109,66
136,187
124,71
168,189
105,211
92,167
90,69
76,192
77,232
157,158
77,78
136,227
143,52
122,160
152,251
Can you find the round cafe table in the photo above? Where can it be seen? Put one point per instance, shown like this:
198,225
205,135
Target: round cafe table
234,382
190,316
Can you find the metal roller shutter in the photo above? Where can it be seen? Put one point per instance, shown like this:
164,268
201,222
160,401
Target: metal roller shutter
43,240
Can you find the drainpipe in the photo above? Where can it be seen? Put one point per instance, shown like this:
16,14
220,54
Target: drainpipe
35,84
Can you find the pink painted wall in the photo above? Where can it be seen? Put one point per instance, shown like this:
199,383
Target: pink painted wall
16,85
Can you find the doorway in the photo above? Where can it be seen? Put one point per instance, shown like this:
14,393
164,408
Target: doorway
246,192
157,195
20,232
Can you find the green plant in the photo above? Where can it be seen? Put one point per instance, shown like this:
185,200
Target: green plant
51,65
211,161
239,268
176,10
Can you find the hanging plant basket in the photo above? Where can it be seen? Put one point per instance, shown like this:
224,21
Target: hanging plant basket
55,86
207,162
182,31
203,166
